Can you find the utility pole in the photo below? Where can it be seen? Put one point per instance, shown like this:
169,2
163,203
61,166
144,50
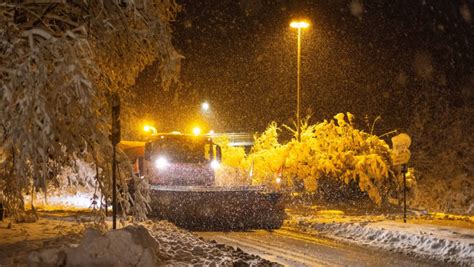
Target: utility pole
115,138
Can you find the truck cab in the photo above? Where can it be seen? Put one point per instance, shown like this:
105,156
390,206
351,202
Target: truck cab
181,160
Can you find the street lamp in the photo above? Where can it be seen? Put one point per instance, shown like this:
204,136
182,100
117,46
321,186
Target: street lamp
298,25
207,115
205,106
148,128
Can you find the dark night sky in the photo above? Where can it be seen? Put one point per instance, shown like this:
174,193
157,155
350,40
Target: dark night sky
367,57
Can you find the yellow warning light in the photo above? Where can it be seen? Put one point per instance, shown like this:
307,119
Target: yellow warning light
148,128
196,131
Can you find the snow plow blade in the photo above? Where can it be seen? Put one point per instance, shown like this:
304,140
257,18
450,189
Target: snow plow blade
218,208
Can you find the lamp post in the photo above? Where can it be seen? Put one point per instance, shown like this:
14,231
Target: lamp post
298,25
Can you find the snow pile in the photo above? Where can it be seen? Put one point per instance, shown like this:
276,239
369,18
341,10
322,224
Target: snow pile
180,246
448,244
148,244
124,247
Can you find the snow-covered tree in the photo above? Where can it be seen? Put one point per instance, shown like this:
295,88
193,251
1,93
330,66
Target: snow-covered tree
59,63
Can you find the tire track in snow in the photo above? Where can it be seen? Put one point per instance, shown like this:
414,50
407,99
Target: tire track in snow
292,248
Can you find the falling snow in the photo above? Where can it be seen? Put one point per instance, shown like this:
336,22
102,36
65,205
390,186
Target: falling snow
357,8
399,66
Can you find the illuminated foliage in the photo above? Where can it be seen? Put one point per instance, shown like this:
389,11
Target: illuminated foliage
234,167
332,149
267,156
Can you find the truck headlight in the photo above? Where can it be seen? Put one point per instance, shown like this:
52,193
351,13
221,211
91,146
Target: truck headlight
161,163
215,164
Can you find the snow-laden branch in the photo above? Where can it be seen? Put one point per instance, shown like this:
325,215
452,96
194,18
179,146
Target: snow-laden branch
60,61
36,31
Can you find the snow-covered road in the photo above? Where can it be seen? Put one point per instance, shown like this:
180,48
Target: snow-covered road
295,249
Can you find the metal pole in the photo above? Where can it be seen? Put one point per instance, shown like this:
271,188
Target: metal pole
298,87
114,191
404,170
115,138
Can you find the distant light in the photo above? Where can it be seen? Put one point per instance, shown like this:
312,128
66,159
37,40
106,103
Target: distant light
197,131
299,24
205,106
175,132
211,132
278,180
215,164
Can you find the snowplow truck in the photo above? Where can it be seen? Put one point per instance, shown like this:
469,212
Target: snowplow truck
181,170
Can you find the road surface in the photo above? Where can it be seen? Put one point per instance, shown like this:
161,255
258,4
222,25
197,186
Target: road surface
295,249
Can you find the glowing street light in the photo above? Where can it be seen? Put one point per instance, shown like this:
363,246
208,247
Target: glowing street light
205,106
148,128
298,25
207,115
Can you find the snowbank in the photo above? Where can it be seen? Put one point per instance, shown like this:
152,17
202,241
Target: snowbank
147,244
124,247
441,243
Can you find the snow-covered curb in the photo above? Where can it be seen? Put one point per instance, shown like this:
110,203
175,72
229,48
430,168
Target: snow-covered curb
441,243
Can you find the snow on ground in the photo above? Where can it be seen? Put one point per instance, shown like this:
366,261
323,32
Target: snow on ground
17,240
63,201
69,240
437,240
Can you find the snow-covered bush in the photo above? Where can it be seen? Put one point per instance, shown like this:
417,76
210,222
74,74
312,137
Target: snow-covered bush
333,150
